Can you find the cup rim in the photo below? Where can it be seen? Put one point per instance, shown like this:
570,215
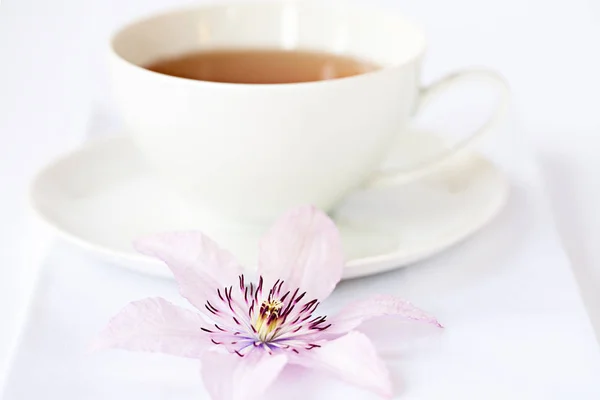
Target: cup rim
260,3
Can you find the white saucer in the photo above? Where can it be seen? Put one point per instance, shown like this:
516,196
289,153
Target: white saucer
101,197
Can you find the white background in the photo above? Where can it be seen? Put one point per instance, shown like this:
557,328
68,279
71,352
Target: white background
51,72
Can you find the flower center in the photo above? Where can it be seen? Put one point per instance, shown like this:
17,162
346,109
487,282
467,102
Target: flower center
246,319
270,307
267,319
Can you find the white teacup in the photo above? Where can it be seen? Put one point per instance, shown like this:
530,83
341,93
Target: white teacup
251,151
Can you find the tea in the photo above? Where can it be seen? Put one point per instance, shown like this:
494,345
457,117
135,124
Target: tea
261,66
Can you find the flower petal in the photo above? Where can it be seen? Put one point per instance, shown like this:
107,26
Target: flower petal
305,250
231,377
351,358
157,326
356,313
199,265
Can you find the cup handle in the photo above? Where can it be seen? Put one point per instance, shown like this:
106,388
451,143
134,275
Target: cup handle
393,176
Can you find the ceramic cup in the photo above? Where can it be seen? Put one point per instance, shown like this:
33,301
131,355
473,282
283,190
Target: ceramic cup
251,151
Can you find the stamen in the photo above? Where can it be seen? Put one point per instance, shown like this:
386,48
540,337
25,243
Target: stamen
308,305
305,318
260,284
256,294
300,297
226,294
276,332
209,309
211,306
314,308
229,298
291,304
284,296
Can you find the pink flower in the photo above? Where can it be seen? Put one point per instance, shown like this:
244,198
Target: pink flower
245,333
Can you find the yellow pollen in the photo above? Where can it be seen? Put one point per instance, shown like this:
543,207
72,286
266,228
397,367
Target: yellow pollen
271,307
268,319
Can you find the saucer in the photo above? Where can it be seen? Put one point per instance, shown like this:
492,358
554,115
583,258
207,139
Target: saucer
102,196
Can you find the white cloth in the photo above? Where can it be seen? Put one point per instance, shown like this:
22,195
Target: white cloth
515,325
